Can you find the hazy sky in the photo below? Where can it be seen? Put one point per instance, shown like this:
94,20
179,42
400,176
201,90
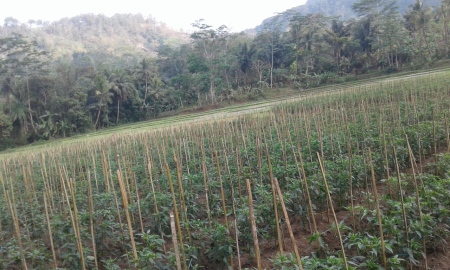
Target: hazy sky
236,14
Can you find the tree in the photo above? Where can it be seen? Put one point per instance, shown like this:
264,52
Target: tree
11,22
443,13
270,49
337,37
122,86
393,37
6,128
313,39
371,14
211,44
20,62
103,96
295,29
245,60
146,72
417,19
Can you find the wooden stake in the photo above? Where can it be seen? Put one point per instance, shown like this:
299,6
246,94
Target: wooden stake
177,219
127,214
377,204
49,227
253,224
332,210
291,234
174,240
274,196
91,218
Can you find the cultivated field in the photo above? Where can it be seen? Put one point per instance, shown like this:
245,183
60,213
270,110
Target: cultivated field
336,178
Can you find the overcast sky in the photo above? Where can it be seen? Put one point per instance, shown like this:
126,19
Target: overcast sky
178,14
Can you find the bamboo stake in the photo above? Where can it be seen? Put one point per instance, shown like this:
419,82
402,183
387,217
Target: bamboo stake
311,210
350,173
405,220
332,210
234,210
222,193
447,132
274,196
116,201
174,240
286,216
253,224
138,201
127,214
419,208
155,201
177,219
74,225
205,185
77,221
386,161
91,218
49,227
15,218
380,220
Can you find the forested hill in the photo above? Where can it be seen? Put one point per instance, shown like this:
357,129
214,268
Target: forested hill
328,8
122,35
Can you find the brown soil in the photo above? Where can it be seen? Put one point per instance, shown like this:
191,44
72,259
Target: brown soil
438,260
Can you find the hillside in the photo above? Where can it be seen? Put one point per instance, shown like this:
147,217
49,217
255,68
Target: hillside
121,35
329,8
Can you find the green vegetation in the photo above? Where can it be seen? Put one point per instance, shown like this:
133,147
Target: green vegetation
90,72
341,9
354,176
348,173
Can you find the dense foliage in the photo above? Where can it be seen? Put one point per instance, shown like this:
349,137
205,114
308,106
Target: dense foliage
331,8
90,72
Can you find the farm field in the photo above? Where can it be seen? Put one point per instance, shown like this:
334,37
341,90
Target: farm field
351,177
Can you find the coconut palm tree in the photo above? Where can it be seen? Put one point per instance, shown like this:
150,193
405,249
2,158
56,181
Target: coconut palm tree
145,72
122,86
103,95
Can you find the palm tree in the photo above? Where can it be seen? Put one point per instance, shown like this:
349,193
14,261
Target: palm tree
18,110
102,94
245,58
336,38
122,86
417,20
145,72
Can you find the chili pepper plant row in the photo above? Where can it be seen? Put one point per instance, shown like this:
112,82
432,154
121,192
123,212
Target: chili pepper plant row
249,192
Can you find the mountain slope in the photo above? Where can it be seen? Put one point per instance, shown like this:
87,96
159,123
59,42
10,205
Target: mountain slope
118,36
329,8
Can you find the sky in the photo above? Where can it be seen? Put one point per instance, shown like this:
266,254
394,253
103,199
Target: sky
178,14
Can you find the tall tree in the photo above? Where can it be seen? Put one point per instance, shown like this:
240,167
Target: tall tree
417,19
371,14
337,37
122,87
103,95
211,44
394,38
20,61
270,49
443,15
146,71
245,58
